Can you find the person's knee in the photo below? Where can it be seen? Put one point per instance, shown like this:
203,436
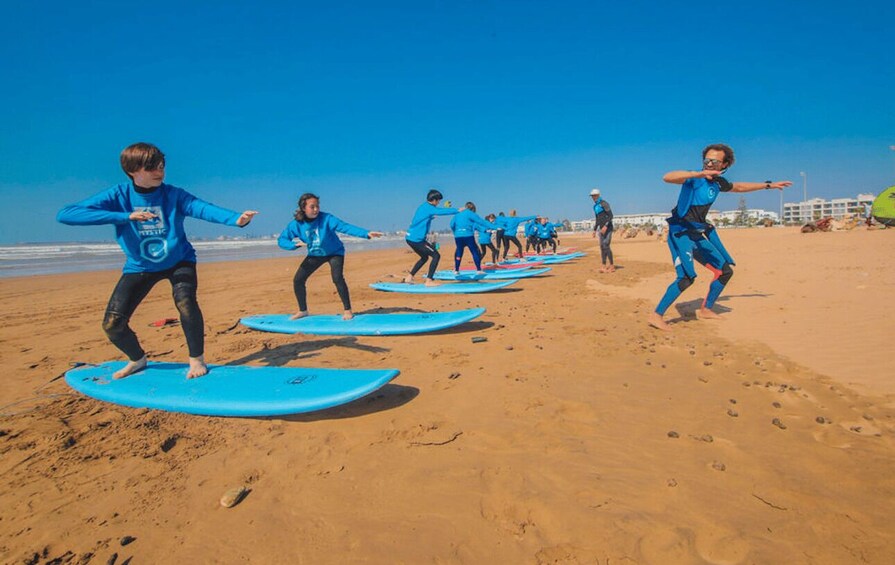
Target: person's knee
114,325
726,273
684,283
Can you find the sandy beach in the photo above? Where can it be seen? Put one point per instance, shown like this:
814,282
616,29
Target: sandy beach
575,434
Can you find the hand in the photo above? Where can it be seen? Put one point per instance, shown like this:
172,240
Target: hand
246,217
708,174
780,185
142,216
603,230
594,234
375,234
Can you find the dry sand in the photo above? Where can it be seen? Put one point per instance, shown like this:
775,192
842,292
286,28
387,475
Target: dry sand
574,434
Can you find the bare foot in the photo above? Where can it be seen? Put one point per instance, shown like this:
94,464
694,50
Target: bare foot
430,282
481,272
131,368
198,368
348,315
603,269
300,314
656,321
408,279
707,314
610,269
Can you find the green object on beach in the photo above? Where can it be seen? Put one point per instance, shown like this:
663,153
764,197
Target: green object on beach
883,209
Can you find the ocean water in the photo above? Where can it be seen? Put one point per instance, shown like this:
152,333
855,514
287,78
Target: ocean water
29,259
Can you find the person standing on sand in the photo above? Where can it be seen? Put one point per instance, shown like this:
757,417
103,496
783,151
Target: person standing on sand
511,228
604,228
148,217
417,235
318,230
691,238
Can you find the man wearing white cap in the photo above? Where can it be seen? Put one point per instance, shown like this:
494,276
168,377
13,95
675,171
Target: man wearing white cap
603,226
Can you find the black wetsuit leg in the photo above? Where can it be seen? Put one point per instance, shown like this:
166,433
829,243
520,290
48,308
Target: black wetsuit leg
426,251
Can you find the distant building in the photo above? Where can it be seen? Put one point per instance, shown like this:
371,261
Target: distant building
816,208
719,218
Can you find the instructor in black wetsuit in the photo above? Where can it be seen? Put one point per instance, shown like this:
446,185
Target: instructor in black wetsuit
603,227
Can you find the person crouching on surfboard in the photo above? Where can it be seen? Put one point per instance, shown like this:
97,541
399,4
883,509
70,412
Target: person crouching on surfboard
416,235
148,217
691,237
464,225
318,230
484,239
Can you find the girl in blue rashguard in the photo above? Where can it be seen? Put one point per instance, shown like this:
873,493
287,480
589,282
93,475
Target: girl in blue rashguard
484,239
464,225
318,230
148,217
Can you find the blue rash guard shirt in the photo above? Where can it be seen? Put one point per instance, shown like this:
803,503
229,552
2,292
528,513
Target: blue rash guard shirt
545,231
511,223
319,235
465,223
422,219
688,229
484,237
602,214
531,228
154,245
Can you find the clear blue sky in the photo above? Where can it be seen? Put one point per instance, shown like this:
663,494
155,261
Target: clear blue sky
515,104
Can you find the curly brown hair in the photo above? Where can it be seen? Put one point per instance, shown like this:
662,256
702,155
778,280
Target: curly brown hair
728,152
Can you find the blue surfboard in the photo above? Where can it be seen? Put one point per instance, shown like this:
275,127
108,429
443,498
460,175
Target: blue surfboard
489,276
450,288
228,390
363,324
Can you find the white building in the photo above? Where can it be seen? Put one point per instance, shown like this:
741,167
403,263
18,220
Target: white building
816,208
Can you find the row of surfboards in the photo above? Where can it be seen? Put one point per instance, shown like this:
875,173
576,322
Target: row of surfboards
247,391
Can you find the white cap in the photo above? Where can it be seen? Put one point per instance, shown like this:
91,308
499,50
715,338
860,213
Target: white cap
595,192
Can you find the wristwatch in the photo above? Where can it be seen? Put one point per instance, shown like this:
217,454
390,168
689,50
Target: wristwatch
767,184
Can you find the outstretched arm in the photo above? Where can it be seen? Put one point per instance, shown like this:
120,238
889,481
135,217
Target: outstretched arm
680,177
753,186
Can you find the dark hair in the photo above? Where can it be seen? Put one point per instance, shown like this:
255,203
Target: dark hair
434,195
300,213
470,206
490,216
728,152
141,156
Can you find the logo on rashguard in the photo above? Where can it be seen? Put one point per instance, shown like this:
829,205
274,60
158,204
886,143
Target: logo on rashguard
155,226
154,249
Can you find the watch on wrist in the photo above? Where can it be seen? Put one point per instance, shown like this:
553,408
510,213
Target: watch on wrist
767,184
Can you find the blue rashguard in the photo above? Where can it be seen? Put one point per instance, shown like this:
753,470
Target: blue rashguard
319,235
465,223
511,223
531,228
422,219
484,237
545,231
154,245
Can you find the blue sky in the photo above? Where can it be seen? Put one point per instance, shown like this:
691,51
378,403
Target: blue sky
524,105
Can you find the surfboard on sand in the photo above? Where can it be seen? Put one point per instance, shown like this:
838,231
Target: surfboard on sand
473,276
363,324
228,390
447,288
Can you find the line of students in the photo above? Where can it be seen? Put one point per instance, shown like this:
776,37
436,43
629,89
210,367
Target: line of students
148,216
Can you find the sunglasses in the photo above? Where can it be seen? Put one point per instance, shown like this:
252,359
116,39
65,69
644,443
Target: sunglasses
711,162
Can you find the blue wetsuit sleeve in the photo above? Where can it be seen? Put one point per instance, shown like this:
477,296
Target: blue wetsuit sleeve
346,228
289,233
198,208
96,210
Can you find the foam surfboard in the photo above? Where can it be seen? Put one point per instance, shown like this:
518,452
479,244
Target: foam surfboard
363,324
499,267
473,276
228,390
450,288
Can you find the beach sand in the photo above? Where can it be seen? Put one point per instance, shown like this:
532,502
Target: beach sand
575,434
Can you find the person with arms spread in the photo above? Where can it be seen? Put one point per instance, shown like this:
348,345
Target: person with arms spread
148,217
691,238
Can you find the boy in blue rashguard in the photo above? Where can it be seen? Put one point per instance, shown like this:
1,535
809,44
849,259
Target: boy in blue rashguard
511,227
416,235
317,230
691,238
148,217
